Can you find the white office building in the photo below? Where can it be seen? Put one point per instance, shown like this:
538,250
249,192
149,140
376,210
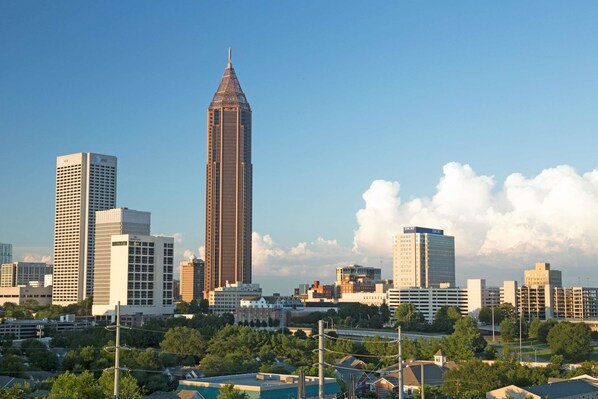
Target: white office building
108,223
141,274
85,183
5,253
423,258
429,300
226,299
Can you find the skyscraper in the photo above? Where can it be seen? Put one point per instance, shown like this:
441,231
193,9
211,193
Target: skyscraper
108,223
228,185
423,258
5,253
192,275
85,183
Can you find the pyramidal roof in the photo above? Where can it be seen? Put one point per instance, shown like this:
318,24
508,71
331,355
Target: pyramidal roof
229,91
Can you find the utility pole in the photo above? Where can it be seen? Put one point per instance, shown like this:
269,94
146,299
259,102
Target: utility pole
400,342
492,316
301,385
117,353
321,359
422,373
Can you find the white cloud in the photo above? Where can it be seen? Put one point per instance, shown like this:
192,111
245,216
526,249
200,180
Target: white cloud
551,214
305,261
37,258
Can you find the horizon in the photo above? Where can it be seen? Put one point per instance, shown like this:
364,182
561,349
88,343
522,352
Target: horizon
477,119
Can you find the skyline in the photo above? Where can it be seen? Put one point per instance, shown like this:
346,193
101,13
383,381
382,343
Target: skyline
363,103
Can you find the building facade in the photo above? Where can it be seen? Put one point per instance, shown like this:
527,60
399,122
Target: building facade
108,223
228,186
20,294
429,300
5,253
542,275
423,258
373,273
141,274
192,282
24,273
226,299
85,183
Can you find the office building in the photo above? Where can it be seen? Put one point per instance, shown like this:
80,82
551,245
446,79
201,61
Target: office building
542,275
85,183
141,274
226,299
228,185
423,258
429,300
24,274
373,273
108,223
5,253
22,293
192,273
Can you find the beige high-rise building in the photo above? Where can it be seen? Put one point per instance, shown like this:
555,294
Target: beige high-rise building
542,275
108,223
192,273
423,258
228,185
85,183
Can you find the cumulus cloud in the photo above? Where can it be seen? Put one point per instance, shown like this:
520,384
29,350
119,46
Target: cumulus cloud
306,260
552,213
37,258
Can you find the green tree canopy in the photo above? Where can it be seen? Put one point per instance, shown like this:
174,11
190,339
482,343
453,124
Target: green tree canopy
571,340
127,388
184,341
229,392
466,341
409,317
68,386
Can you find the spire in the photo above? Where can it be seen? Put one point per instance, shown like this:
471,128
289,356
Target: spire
229,91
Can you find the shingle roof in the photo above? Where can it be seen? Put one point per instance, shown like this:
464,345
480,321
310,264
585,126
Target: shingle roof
563,389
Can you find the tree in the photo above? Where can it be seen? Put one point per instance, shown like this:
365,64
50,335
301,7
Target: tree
409,317
466,341
127,389
184,341
69,386
17,391
508,330
545,328
12,365
505,311
182,307
229,392
534,328
384,313
485,315
446,317
571,340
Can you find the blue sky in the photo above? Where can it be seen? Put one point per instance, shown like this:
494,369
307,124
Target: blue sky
343,93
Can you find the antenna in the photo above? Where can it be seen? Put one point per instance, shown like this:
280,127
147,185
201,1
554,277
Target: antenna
230,58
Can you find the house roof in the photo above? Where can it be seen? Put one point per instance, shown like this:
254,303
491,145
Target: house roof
7,381
412,374
563,389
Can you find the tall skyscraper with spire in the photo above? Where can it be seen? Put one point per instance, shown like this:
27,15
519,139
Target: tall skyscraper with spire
228,185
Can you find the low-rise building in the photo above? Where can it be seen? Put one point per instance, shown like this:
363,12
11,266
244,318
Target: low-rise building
429,300
20,294
570,389
261,386
228,298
